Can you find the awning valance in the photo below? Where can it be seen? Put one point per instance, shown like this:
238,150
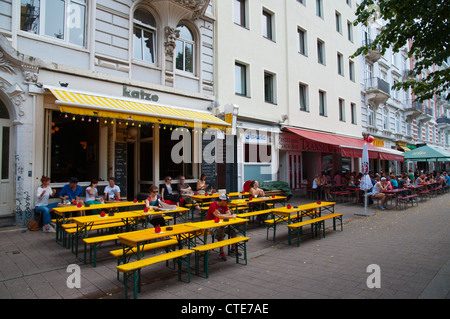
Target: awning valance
347,146
88,104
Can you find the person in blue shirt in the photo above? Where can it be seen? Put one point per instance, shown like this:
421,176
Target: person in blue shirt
394,182
71,191
446,178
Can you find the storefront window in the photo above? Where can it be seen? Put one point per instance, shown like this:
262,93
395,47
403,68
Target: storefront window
346,164
74,148
167,166
327,163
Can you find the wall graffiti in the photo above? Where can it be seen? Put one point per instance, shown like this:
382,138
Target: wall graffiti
23,199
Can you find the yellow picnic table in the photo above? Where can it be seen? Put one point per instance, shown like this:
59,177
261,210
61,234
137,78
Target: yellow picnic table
63,212
85,223
138,239
211,224
178,212
296,213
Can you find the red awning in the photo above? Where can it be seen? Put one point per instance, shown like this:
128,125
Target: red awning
348,146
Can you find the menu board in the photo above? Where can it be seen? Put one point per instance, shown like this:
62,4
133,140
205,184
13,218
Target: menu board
120,165
209,169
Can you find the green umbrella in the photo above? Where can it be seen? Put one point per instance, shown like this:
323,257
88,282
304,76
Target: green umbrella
427,153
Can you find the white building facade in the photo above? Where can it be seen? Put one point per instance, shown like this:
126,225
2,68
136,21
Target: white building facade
287,66
76,81
394,118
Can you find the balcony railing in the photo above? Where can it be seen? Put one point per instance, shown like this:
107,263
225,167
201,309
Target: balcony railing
443,120
377,84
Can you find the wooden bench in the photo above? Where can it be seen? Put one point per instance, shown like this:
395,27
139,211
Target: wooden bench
205,250
251,215
125,258
341,194
132,271
316,223
424,194
409,199
70,231
94,244
271,224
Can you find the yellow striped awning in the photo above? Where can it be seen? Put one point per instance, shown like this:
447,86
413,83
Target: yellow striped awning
87,104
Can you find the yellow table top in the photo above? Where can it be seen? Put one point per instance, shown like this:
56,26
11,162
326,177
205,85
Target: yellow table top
203,197
212,224
306,207
83,220
134,238
73,208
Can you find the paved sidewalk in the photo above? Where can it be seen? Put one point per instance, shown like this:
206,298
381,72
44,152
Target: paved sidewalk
411,248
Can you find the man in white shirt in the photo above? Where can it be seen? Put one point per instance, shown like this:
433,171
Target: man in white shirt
377,191
112,191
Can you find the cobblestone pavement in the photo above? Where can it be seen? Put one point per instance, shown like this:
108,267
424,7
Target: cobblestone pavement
411,248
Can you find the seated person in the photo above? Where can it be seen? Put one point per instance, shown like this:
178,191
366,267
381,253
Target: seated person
377,191
184,189
152,202
166,191
43,194
219,209
112,191
201,184
255,191
72,192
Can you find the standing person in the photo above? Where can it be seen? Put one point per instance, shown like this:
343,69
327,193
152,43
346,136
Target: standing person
152,202
92,197
316,185
44,192
377,191
112,191
219,209
201,184
72,192
167,193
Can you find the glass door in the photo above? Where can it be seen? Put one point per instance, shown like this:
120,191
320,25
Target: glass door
6,185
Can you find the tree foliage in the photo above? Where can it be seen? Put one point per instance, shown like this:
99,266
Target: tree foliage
422,24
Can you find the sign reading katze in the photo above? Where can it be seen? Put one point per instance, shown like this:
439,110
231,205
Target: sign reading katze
139,94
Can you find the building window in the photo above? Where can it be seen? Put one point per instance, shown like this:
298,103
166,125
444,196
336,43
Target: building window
239,13
338,22
320,52
350,31
341,110
340,64
302,49
319,8
269,87
385,119
144,36
240,78
370,117
303,91
64,20
322,103
185,50
397,123
353,112
351,70
267,23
